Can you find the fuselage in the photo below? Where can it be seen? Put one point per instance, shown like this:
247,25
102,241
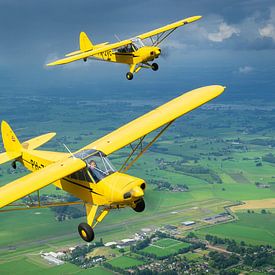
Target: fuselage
132,56
115,189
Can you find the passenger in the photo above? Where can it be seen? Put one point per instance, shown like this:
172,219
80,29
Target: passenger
96,173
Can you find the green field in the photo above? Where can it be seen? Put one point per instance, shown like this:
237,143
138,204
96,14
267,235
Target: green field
165,247
251,228
125,262
200,140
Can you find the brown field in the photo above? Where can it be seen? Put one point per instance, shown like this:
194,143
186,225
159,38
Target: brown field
255,204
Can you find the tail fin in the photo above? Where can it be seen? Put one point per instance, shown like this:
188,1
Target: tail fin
85,44
10,140
11,144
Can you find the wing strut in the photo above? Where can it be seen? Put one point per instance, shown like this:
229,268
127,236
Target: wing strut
22,206
159,39
125,167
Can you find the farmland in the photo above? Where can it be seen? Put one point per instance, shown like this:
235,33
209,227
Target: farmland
220,165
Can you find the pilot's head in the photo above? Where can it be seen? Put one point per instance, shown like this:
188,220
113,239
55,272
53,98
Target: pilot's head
93,164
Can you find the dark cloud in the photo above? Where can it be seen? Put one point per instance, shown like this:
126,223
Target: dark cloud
34,32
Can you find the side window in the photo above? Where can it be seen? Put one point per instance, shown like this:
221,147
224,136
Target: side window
81,175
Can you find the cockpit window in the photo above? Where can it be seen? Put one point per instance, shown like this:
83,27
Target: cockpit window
99,166
134,46
137,43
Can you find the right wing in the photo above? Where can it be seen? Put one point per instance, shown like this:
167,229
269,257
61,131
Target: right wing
169,27
32,182
155,119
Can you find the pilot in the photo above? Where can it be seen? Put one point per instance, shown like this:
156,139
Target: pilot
96,173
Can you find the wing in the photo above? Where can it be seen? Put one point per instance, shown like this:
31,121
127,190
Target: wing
90,53
39,179
155,119
170,27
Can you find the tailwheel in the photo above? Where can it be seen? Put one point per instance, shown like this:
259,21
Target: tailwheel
86,232
129,76
155,66
85,59
13,164
140,205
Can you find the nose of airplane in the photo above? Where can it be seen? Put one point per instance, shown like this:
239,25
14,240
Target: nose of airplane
137,192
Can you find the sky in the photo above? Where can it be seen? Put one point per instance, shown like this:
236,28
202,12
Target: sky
232,45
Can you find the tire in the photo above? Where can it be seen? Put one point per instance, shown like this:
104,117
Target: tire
86,232
140,206
155,66
129,76
13,165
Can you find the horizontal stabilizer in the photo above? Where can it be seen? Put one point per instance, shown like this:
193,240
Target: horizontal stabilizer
73,53
28,184
8,156
37,141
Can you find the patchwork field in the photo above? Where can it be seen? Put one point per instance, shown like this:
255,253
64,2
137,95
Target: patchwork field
165,247
220,165
125,262
254,228
255,204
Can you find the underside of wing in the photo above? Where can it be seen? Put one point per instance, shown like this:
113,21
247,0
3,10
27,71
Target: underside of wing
169,27
155,119
90,53
8,156
39,179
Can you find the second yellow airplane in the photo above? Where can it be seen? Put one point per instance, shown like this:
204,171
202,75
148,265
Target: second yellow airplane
131,51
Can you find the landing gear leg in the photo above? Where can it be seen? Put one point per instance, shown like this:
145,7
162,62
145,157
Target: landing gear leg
130,74
85,230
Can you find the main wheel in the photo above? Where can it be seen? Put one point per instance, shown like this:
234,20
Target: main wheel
129,76
85,59
155,66
140,206
86,232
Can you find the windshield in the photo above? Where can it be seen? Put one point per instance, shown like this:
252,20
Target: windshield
137,43
99,166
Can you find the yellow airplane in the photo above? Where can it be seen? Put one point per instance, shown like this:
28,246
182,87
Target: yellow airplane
130,51
87,173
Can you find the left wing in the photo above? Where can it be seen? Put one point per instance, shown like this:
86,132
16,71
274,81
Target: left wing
87,54
170,27
32,182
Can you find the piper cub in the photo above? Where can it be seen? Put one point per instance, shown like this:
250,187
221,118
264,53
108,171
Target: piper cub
131,51
87,173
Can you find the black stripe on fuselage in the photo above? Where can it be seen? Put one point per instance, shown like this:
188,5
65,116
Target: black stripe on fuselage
83,186
70,181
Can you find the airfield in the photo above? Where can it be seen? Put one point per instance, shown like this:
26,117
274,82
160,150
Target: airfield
223,153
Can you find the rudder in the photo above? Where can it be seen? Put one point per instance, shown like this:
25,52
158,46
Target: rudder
10,140
85,44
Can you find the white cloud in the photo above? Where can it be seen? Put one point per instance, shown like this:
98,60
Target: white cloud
246,70
268,31
225,32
